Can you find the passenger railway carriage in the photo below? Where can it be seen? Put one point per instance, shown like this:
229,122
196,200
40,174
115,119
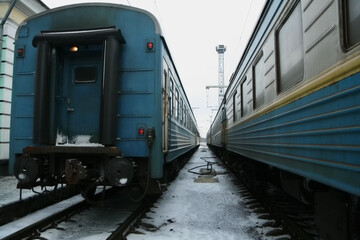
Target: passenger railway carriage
97,100
292,109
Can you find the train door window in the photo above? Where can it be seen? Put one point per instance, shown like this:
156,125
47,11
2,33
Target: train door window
165,76
164,79
351,9
290,50
86,74
258,81
166,91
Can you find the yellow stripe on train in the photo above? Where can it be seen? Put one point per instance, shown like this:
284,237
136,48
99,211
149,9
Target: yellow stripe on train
332,75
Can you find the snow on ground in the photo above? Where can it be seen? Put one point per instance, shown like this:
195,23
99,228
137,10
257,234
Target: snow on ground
14,226
193,210
96,223
9,193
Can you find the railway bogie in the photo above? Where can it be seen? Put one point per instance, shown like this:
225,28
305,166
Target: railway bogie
291,110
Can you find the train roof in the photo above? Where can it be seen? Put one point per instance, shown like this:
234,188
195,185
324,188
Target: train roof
110,5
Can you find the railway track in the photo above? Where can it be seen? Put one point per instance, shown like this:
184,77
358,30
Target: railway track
31,226
20,208
60,220
128,224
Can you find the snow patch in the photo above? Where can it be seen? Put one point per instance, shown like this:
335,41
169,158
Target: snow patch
77,141
22,176
123,181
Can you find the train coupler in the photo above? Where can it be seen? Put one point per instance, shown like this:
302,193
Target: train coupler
74,171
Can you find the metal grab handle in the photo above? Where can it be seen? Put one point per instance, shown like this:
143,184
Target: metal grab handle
69,109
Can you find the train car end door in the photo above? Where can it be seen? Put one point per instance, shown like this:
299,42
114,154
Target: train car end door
82,88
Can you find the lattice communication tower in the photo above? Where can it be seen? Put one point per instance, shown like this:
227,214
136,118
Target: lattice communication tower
221,50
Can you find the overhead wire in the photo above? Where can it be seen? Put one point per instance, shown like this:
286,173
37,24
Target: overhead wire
159,14
242,31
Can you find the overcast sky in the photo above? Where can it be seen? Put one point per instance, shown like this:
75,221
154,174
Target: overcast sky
193,29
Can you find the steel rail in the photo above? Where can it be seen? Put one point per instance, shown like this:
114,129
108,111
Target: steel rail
127,225
35,228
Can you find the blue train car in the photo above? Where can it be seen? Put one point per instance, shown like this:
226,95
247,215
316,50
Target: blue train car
96,99
291,111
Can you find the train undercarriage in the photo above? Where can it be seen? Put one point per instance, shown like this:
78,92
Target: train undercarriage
81,166
86,168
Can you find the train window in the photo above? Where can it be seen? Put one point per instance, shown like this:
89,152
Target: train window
171,95
86,74
290,53
246,96
181,110
259,84
241,98
234,106
184,113
164,79
176,104
351,22
186,116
